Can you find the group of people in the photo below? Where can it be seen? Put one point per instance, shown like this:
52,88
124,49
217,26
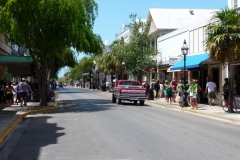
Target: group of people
15,92
173,90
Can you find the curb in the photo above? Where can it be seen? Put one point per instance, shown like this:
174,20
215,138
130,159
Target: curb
12,126
198,112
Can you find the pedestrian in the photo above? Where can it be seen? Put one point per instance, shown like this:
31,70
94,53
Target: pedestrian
107,86
28,92
174,90
8,94
157,88
190,91
14,93
168,88
160,90
226,90
195,91
153,84
147,86
211,90
143,82
179,90
2,87
22,89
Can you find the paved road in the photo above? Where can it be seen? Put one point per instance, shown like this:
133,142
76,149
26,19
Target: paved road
89,127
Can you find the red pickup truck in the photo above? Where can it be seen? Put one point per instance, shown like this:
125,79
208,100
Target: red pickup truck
129,90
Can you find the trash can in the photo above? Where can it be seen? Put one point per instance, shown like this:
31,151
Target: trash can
103,88
151,95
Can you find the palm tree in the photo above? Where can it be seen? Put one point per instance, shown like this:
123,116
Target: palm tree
223,39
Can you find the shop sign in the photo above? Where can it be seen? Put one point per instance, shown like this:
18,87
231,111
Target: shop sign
173,61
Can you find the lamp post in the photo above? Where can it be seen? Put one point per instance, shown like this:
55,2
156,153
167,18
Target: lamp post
123,67
184,50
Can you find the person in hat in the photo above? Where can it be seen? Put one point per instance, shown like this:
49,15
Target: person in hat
22,89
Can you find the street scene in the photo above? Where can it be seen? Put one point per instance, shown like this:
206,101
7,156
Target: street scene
88,125
119,80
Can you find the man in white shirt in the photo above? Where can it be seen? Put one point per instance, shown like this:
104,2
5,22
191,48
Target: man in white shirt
160,90
107,86
211,89
22,89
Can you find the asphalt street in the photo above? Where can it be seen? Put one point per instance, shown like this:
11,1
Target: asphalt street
88,126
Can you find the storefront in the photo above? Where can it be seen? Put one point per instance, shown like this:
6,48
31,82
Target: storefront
13,68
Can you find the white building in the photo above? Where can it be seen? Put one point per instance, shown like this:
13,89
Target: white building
165,21
233,3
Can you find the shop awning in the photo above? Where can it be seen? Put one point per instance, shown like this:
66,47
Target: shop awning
192,61
10,60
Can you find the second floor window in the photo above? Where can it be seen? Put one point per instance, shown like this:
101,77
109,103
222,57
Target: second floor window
235,3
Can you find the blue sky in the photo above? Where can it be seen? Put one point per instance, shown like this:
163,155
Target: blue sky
113,13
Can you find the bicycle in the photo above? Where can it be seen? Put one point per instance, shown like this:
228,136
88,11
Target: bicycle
226,106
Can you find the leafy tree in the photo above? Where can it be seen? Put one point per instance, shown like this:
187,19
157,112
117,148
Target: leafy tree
138,52
223,39
48,28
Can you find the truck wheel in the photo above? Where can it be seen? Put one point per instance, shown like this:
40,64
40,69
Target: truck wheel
119,101
135,102
113,99
141,103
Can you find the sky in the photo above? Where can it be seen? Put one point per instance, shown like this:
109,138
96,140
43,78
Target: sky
113,13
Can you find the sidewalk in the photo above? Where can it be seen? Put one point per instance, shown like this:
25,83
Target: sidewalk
11,116
204,109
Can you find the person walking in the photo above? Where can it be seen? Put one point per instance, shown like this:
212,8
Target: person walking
14,93
22,89
147,86
211,90
8,94
160,90
168,88
190,91
153,84
157,88
174,90
179,90
226,90
195,91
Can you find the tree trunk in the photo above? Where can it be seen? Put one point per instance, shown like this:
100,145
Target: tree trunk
230,90
43,81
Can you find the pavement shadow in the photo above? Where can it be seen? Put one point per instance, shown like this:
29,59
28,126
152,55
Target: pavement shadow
39,133
85,105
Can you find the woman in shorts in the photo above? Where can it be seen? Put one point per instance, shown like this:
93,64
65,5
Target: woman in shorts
168,89
8,94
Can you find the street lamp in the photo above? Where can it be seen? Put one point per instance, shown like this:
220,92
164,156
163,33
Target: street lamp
123,67
184,50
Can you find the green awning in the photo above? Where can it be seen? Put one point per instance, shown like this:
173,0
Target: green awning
13,60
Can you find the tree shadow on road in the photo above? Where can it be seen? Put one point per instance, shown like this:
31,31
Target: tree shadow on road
38,134
85,105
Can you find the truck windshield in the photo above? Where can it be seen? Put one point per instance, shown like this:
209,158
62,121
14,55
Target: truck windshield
129,83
